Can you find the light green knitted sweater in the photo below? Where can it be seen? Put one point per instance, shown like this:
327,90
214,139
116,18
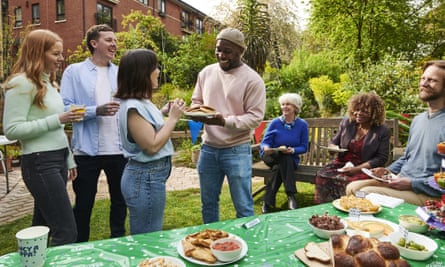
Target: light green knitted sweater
37,129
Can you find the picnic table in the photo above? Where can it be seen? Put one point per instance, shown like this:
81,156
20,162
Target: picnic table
272,242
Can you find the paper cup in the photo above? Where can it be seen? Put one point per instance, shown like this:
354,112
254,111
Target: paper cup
32,243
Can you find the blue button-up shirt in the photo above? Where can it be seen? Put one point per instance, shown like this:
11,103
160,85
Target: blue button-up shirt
78,86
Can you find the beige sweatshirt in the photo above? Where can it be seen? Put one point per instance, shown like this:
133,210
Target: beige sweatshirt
239,95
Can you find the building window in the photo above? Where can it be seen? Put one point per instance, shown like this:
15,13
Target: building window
198,26
35,13
145,2
186,22
18,17
60,9
161,7
184,18
104,15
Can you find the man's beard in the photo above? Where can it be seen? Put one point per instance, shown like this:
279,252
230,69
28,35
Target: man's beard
426,97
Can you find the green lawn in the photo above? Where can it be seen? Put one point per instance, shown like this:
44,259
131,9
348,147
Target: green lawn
183,209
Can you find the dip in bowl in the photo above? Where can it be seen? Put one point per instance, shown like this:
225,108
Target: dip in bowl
413,223
226,249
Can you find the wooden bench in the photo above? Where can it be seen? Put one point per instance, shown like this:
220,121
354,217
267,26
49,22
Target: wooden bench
320,132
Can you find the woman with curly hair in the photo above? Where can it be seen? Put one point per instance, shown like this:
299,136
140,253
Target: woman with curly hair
365,139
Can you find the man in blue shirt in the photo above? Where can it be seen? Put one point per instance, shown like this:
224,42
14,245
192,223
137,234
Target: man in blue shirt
95,141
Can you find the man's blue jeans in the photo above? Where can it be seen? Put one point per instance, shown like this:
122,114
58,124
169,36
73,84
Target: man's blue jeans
143,187
216,163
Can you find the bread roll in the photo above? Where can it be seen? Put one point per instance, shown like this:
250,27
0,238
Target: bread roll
369,258
357,244
359,251
388,251
342,259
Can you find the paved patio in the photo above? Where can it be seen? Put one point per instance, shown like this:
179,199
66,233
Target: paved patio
19,202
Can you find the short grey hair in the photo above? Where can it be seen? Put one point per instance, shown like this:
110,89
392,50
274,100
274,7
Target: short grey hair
294,99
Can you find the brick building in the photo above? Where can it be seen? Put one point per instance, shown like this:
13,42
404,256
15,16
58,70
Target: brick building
72,18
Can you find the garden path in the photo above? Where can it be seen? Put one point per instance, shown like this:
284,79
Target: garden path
19,202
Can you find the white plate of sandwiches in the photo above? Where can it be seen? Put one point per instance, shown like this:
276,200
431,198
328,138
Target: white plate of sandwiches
200,111
195,247
162,261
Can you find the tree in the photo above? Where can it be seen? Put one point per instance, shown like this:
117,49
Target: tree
254,22
144,30
283,25
294,77
194,52
433,34
285,29
284,34
324,90
362,29
393,79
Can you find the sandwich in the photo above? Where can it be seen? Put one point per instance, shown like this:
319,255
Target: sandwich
201,108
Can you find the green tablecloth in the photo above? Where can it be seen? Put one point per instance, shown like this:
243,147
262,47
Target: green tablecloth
272,242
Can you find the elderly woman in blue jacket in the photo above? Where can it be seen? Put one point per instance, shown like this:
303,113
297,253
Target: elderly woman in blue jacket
366,140
285,139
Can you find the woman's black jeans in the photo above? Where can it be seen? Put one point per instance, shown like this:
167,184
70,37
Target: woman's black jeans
45,175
